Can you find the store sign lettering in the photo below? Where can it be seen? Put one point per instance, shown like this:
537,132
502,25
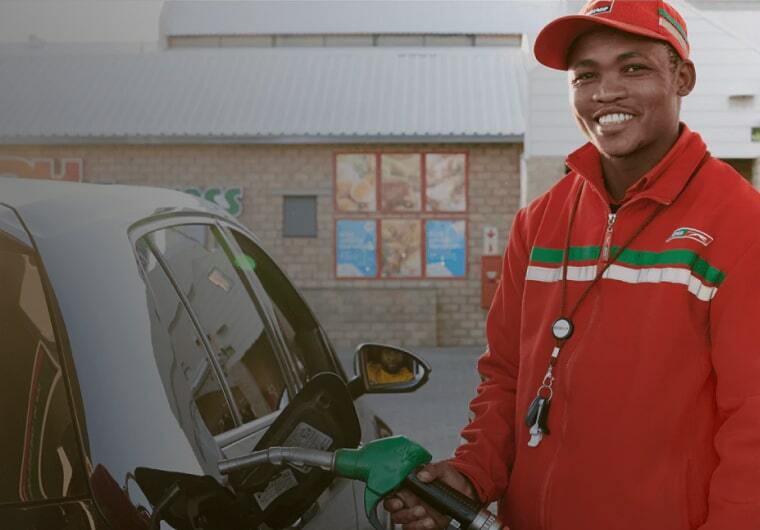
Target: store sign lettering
68,169
231,199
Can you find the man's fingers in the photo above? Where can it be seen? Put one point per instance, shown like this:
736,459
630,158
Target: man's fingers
447,474
409,511
405,508
409,516
409,499
422,524
413,514
392,504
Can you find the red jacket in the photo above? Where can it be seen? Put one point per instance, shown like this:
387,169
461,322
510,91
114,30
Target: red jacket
655,420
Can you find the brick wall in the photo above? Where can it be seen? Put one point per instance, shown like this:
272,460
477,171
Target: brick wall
407,312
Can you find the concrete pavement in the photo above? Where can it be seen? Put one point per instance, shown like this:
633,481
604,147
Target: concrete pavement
435,413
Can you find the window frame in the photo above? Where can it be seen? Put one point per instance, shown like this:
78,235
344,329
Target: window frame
303,235
422,215
327,346
166,221
423,276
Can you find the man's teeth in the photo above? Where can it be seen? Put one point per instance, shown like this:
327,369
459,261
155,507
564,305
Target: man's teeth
614,118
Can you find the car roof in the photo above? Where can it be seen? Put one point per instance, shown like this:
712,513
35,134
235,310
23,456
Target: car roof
81,234
75,202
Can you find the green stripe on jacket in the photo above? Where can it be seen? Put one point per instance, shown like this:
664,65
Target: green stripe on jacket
640,258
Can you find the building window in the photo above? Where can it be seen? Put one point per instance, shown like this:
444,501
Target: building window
300,216
756,134
401,215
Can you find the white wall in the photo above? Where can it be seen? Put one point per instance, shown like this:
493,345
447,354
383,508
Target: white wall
82,21
726,66
551,129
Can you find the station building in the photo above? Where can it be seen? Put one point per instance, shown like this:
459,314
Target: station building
379,150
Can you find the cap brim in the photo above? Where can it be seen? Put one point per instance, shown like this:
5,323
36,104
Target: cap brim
553,42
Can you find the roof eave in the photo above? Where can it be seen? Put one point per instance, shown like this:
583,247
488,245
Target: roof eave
283,139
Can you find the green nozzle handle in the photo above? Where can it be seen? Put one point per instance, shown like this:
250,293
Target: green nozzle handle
383,465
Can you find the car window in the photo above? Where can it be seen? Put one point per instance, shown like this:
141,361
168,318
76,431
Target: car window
234,330
297,324
41,456
190,371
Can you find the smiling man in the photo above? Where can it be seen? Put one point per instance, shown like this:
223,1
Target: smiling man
621,386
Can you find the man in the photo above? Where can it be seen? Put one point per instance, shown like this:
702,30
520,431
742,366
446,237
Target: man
389,368
621,386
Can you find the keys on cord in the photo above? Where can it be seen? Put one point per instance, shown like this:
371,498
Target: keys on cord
535,436
536,419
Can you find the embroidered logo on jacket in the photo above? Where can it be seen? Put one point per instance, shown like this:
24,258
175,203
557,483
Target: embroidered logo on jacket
691,233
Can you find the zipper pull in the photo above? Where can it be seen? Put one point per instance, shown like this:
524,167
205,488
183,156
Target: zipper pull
608,237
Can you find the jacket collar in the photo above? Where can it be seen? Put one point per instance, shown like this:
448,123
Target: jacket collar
662,183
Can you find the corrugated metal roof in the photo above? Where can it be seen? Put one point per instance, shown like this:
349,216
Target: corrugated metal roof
256,95
229,17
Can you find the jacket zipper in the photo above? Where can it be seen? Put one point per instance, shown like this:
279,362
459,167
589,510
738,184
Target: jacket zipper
611,217
543,508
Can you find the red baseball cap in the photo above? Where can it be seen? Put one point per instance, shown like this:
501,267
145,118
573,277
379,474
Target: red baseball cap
655,19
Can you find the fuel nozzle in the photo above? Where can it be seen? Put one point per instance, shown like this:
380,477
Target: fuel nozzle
384,465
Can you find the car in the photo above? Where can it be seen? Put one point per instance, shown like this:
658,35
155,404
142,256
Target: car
146,333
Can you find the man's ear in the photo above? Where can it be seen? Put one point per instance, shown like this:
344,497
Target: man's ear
686,77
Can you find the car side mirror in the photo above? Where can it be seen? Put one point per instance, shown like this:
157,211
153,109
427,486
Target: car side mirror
383,369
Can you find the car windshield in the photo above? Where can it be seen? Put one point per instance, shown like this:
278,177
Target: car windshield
41,458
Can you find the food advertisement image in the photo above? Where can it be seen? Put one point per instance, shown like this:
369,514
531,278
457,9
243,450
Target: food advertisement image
446,249
445,191
401,244
355,182
356,248
400,182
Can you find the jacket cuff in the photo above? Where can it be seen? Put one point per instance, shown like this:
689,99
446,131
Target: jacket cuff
479,480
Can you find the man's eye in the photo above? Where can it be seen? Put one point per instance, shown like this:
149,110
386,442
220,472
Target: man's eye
585,76
634,68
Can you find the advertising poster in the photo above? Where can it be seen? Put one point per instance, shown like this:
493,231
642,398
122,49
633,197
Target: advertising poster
446,249
400,179
356,248
401,248
446,190
355,182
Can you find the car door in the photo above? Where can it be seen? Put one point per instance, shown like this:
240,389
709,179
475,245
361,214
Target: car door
43,457
230,353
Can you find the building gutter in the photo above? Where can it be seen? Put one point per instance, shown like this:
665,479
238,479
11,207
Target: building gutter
262,139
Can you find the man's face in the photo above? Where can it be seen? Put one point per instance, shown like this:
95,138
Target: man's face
625,92
391,360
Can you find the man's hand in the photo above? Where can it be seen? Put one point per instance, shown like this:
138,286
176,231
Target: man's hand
409,511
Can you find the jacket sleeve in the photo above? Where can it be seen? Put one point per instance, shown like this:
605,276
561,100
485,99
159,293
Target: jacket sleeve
487,454
734,496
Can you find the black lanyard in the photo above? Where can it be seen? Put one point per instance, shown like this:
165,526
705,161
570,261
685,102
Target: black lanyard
562,328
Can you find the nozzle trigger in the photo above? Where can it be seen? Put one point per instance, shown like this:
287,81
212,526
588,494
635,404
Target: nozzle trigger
371,500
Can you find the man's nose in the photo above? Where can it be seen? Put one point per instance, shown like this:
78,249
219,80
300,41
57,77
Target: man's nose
609,88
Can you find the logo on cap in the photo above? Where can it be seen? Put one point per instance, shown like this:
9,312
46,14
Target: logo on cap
599,8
